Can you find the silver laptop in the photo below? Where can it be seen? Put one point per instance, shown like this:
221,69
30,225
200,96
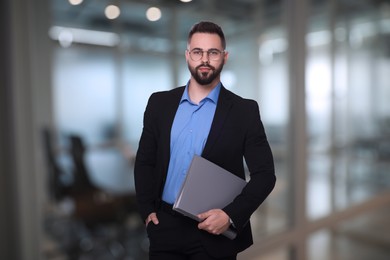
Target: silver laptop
207,186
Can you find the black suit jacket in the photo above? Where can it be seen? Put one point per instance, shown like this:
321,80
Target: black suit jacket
236,133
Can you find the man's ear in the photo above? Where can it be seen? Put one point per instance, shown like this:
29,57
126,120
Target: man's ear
186,54
226,56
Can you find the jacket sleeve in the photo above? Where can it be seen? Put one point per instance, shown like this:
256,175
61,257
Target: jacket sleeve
145,162
259,159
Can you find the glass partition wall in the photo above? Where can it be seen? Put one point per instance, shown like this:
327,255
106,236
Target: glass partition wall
322,90
348,166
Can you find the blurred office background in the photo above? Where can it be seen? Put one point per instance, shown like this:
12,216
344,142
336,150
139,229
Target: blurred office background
75,79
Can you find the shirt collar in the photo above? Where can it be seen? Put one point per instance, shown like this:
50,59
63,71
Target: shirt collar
213,95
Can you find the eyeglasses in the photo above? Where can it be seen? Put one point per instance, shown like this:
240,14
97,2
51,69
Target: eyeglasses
212,54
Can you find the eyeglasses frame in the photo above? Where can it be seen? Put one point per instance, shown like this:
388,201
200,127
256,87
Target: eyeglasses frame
208,53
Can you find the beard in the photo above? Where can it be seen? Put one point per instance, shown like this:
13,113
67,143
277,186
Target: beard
204,78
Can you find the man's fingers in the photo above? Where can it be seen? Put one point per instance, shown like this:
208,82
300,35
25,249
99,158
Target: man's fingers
214,221
155,220
205,215
152,217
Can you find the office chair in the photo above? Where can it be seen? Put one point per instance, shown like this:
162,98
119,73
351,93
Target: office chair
96,208
57,189
96,222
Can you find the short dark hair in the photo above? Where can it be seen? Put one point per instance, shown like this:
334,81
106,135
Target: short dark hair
207,27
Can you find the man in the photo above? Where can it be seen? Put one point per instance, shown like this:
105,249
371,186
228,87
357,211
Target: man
201,118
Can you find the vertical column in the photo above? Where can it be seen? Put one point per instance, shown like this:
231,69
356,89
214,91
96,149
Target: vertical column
173,58
29,108
333,116
119,58
8,223
297,25
258,21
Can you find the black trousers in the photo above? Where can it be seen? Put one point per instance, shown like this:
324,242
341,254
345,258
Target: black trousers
176,237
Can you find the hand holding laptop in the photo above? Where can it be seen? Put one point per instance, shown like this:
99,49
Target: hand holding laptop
214,221
206,187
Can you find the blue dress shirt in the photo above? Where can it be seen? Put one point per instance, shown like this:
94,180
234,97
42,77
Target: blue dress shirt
189,133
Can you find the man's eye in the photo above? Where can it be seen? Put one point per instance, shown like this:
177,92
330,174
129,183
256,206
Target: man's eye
196,52
213,53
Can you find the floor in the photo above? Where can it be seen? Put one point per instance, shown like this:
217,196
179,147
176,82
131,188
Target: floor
366,237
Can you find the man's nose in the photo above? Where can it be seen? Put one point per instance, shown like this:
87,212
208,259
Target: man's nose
205,57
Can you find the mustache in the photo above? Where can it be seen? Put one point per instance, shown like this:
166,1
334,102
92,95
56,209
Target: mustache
205,65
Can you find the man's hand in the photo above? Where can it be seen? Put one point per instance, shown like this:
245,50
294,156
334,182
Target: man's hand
152,217
214,221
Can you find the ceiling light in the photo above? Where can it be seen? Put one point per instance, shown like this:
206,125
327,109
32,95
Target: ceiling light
75,2
112,12
153,14
185,1
67,36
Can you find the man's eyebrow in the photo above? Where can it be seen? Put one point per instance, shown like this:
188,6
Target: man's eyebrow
200,49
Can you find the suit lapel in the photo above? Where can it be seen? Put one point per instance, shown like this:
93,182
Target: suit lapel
223,107
169,115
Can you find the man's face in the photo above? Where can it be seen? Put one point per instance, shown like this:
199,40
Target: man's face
206,71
